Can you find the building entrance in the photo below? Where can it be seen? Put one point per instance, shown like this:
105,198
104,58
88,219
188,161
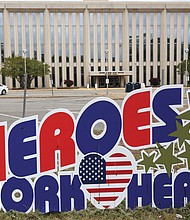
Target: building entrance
114,81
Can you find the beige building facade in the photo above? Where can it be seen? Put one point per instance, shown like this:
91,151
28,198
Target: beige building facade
92,41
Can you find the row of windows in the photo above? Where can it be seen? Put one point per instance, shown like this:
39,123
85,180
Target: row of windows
106,31
21,24
20,28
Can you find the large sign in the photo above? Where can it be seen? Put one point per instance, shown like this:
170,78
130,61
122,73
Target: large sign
141,155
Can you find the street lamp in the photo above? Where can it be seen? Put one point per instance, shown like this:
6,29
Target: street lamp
44,74
25,82
107,79
186,71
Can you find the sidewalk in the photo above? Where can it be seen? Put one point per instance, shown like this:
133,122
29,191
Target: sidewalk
117,93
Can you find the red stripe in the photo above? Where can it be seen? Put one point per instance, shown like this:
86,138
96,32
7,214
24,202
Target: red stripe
116,172
119,163
100,190
104,199
106,206
118,155
118,181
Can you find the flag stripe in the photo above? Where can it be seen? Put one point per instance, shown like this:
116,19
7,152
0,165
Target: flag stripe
117,155
116,172
106,206
119,163
117,181
101,190
102,199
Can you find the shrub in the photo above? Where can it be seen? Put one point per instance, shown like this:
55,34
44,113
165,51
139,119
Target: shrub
68,82
154,81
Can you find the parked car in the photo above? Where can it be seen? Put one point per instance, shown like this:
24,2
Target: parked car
3,89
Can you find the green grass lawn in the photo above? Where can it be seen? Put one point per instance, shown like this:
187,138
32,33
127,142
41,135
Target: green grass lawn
120,213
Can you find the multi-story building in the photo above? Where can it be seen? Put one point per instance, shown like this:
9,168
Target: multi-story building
89,41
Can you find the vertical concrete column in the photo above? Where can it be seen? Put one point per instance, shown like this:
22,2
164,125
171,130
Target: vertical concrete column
186,43
47,43
22,15
109,41
163,47
86,47
134,37
95,43
64,76
16,34
179,44
38,45
102,43
116,41
56,52
185,33
16,47
71,64
38,36
7,41
31,43
78,55
141,38
125,44
148,63
171,48
155,46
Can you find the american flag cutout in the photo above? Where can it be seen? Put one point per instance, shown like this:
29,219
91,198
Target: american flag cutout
105,179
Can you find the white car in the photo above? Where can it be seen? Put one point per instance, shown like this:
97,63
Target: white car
3,89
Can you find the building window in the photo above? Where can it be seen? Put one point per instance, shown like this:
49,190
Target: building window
144,37
99,36
130,37
120,37
137,37
106,30
75,76
67,36
158,35
52,37
175,37
82,76
92,37
151,36
168,75
59,18
144,74
82,37
168,36
60,77
182,36
68,74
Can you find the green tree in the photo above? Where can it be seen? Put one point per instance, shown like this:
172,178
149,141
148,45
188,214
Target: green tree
182,67
15,67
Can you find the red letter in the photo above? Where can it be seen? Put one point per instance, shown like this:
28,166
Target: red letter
2,153
135,117
56,134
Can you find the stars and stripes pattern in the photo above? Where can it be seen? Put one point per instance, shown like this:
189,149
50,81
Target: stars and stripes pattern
105,179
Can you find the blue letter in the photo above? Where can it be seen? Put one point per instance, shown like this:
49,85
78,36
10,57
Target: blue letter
181,189
101,110
161,107
46,198
143,191
70,189
12,202
20,148
162,191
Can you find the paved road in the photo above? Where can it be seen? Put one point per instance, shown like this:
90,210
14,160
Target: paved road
41,101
